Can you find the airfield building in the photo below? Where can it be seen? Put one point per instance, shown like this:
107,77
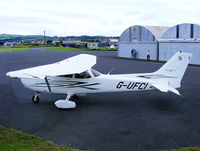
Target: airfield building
142,39
160,42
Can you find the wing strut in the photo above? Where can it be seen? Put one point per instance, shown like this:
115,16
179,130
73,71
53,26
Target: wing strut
47,82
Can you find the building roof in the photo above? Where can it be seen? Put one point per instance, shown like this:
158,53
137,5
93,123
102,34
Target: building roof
157,31
143,33
185,31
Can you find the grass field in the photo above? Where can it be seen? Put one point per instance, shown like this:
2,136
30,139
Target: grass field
17,48
13,140
187,149
12,49
77,49
107,49
64,49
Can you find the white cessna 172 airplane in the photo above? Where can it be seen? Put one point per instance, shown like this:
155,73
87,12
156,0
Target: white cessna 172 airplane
75,76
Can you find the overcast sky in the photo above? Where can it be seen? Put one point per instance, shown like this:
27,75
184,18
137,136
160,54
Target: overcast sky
92,17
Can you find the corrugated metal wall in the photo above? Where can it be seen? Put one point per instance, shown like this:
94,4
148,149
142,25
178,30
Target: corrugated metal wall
168,49
140,39
141,48
196,31
182,31
125,36
135,34
184,37
170,34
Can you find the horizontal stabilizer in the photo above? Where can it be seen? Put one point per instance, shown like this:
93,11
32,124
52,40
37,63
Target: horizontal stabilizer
165,87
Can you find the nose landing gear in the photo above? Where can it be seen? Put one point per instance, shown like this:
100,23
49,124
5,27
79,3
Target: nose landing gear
36,98
62,104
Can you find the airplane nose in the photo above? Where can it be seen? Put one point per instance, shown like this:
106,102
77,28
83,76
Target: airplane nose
9,74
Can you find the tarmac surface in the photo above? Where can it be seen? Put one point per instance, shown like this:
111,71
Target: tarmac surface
139,121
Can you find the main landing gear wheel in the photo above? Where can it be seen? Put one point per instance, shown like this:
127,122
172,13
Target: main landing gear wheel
65,104
36,98
75,96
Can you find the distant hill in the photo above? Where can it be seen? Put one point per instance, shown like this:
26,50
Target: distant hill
29,38
8,37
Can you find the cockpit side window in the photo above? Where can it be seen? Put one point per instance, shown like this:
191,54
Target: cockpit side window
83,75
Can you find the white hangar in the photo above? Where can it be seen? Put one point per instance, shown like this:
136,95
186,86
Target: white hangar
160,42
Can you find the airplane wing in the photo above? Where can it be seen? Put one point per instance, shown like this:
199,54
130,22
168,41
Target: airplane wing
165,87
76,64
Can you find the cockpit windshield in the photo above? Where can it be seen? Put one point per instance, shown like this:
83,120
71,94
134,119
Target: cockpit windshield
95,73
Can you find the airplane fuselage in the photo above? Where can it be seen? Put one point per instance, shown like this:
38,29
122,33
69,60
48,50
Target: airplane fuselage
102,83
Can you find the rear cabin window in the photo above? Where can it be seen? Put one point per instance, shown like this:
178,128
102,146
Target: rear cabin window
83,75
67,76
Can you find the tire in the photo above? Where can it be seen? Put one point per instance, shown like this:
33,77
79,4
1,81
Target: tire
75,96
35,99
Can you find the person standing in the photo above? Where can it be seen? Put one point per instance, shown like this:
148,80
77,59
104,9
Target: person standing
148,55
133,53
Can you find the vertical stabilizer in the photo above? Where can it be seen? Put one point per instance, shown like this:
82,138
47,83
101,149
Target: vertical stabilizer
175,68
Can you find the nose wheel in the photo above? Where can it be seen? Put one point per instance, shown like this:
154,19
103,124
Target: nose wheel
36,98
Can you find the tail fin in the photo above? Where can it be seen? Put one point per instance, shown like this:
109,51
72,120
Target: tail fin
175,68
